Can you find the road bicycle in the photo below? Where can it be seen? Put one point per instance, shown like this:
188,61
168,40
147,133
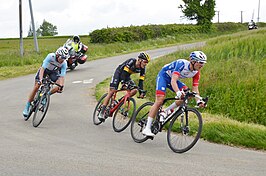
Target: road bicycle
183,126
41,102
121,110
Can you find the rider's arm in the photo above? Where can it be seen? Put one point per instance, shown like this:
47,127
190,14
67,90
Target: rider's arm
141,78
175,77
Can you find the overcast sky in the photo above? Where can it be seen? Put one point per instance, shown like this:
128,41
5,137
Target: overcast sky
83,16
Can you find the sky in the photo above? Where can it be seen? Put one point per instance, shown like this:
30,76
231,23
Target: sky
80,17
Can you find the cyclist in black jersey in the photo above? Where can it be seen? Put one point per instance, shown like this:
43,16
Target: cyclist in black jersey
122,74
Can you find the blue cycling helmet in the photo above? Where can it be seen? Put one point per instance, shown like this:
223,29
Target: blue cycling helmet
198,56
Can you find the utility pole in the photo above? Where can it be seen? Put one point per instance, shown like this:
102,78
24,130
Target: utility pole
218,13
20,29
241,16
259,12
33,28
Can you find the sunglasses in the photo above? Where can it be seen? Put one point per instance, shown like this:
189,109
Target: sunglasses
62,57
200,62
144,61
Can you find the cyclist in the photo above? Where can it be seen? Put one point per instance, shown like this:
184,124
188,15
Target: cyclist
169,77
122,74
53,65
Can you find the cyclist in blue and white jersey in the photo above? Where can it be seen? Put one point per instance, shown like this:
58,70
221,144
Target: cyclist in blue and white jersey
53,65
169,77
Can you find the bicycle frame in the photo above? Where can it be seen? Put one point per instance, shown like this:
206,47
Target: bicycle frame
182,109
124,99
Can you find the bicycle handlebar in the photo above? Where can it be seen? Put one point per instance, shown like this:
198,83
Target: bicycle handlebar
48,80
189,94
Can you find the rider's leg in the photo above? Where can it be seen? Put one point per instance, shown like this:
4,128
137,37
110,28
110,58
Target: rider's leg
30,99
153,111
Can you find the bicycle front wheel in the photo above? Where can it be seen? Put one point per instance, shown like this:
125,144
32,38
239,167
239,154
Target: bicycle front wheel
139,122
184,130
124,114
41,110
97,110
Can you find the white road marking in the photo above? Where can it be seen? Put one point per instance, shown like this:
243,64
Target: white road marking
87,81
76,82
84,81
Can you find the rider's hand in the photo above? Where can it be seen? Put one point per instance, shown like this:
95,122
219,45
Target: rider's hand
201,104
179,94
142,94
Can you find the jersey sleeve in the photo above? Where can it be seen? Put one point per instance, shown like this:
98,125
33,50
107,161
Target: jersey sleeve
178,68
63,69
196,79
126,71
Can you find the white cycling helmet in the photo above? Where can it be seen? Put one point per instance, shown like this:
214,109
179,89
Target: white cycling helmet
63,52
198,56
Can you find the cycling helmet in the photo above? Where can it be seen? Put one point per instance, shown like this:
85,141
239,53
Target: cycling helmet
198,56
76,39
144,56
63,52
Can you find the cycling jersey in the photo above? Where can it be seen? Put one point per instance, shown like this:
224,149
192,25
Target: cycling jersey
53,68
50,63
179,67
123,72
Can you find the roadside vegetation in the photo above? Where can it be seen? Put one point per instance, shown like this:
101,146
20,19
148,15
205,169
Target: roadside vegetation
150,37
234,76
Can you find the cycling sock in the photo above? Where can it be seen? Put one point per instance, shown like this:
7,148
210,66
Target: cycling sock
103,109
149,122
28,104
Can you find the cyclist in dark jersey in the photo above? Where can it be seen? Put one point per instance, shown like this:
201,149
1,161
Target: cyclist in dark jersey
122,74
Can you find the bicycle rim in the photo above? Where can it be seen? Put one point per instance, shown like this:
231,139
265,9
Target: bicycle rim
139,121
41,110
123,115
182,137
97,110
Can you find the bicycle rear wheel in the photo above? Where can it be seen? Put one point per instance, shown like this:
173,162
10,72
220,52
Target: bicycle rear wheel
97,110
123,115
139,122
41,110
184,130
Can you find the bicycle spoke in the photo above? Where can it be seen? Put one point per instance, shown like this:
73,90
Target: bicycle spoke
181,137
123,115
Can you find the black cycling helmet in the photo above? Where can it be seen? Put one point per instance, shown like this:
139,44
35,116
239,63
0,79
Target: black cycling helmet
76,39
144,56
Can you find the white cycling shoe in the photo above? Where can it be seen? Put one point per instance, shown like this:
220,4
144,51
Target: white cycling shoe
147,132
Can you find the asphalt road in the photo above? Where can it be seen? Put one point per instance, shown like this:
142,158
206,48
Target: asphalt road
68,143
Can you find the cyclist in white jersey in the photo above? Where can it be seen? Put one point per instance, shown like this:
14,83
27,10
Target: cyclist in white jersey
169,77
53,65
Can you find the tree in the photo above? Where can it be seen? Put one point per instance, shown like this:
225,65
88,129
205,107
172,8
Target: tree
200,10
47,29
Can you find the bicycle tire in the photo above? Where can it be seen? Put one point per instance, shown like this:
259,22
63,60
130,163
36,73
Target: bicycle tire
185,136
139,121
97,110
37,117
121,118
